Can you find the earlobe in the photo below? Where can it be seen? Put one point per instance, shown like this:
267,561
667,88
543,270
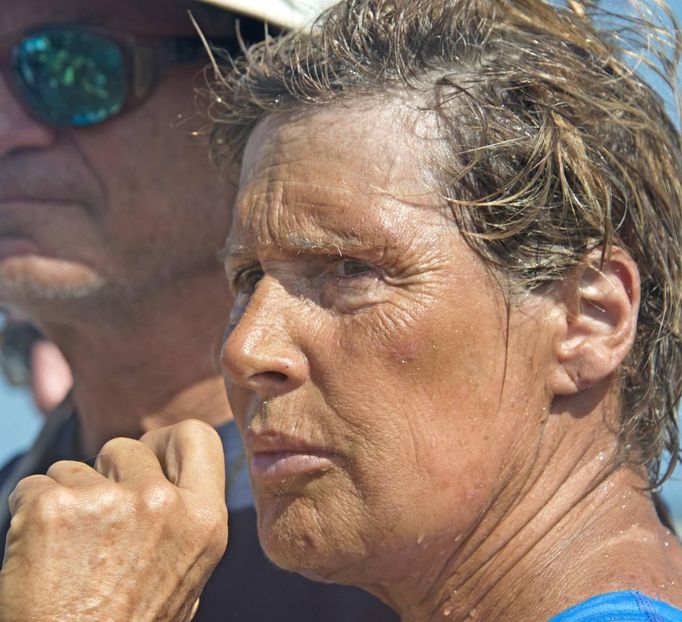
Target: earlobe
596,330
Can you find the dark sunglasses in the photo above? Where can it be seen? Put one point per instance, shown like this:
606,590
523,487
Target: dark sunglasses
76,76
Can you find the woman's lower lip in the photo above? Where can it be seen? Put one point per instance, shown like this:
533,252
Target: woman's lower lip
279,465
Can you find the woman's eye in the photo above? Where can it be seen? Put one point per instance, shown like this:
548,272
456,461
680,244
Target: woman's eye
351,267
350,284
247,280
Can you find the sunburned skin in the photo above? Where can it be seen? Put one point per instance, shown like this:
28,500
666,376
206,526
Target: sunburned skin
387,353
439,440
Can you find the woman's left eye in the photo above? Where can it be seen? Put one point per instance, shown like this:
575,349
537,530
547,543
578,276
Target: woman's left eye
347,268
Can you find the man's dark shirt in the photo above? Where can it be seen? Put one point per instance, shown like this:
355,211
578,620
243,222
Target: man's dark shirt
245,585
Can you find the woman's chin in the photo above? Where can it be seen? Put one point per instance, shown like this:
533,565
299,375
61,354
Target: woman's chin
301,543
336,568
326,564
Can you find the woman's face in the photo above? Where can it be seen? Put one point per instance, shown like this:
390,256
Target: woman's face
389,400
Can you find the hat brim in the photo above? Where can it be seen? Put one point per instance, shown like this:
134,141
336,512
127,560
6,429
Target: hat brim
274,13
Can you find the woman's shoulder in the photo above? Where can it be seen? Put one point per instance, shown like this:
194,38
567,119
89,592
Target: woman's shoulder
628,606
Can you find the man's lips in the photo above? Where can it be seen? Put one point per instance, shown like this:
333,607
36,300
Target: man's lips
275,457
11,246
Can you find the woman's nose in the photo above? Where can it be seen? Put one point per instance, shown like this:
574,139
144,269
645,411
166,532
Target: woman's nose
259,353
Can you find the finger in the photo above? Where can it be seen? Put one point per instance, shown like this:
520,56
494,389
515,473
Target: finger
74,474
191,454
29,488
195,608
128,461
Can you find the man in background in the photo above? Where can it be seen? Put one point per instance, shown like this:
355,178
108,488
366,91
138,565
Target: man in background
110,217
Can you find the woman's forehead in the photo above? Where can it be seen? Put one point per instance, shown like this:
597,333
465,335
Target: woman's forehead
340,148
337,170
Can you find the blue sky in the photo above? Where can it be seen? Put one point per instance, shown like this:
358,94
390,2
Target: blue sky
19,421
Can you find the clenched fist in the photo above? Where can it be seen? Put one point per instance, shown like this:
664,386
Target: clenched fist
134,539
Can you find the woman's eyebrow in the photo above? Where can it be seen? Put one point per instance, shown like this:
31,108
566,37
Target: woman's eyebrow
232,254
232,251
292,244
327,238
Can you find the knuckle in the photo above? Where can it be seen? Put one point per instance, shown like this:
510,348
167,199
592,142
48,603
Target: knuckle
107,500
53,505
64,467
25,486
25,491
117,445
194,427
114,453
159,498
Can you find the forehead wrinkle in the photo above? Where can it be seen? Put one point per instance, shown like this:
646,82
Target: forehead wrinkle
303,226
298,197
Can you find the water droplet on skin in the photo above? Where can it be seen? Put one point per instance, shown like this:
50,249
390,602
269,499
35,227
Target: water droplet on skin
666,544
447,611
420,538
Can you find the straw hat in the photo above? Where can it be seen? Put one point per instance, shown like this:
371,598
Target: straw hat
283,13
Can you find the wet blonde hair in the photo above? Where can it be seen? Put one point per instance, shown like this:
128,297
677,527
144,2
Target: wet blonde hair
551,144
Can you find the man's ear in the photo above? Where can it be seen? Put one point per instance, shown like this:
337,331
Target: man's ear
599,302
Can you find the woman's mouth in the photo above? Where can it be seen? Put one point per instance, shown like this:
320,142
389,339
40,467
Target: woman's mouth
274,457
279,465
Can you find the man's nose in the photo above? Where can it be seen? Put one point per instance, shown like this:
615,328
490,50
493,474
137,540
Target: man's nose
18,129
260,353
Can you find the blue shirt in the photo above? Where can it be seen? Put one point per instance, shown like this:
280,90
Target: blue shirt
630,606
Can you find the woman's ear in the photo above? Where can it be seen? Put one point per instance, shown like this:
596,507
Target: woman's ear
599,302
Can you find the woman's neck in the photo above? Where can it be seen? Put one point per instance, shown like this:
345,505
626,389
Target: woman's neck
550,551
